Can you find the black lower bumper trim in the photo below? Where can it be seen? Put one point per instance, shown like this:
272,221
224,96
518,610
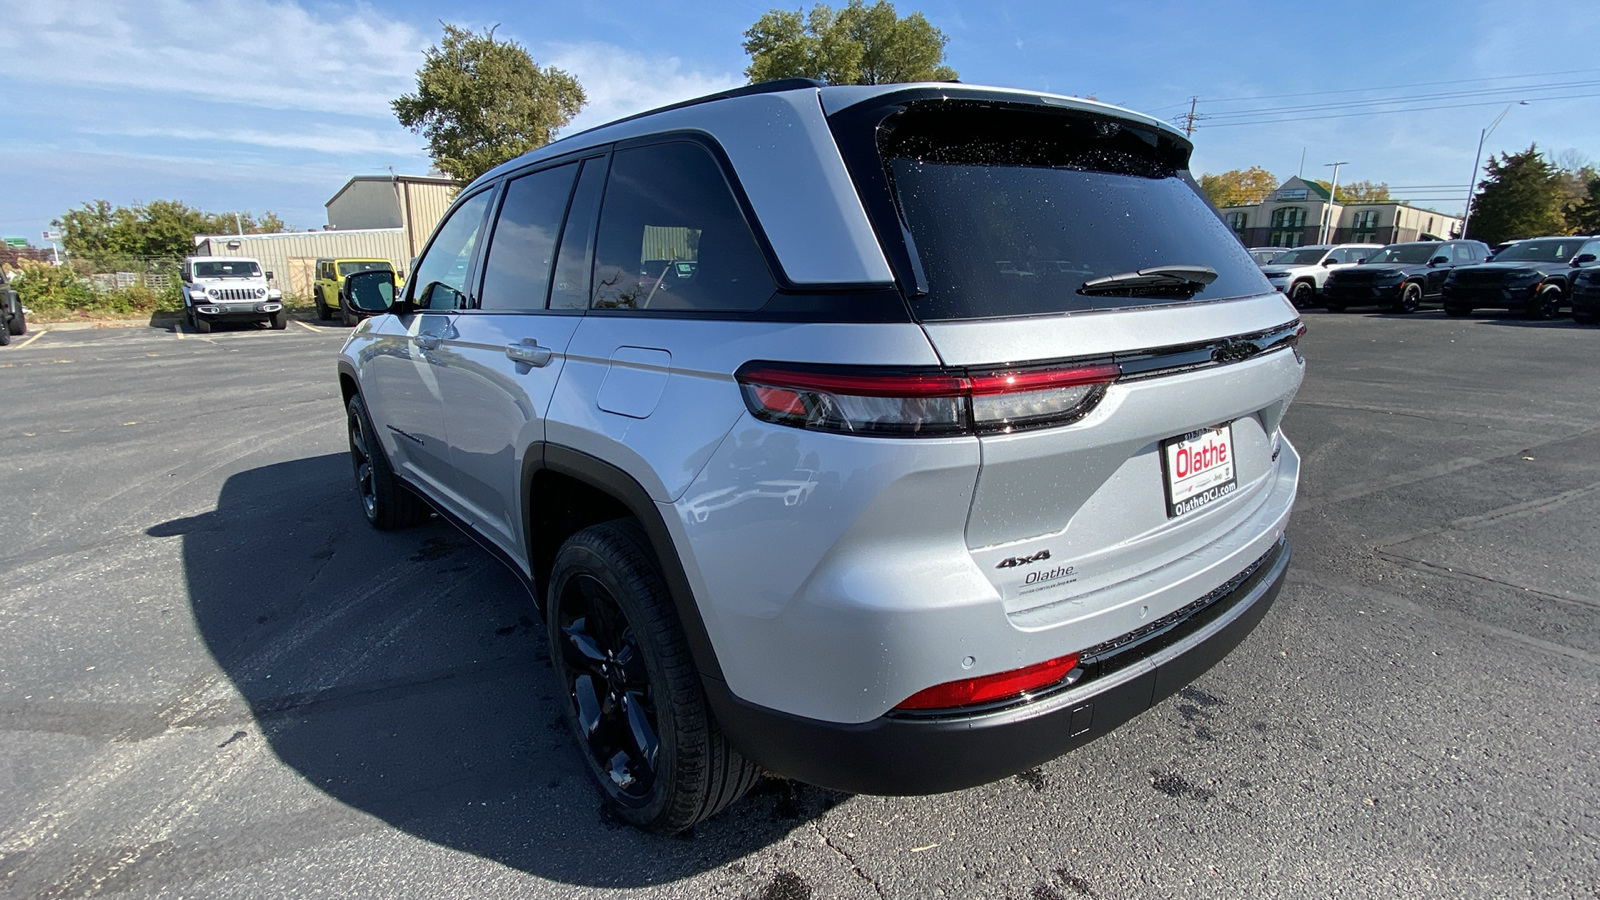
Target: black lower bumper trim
908,756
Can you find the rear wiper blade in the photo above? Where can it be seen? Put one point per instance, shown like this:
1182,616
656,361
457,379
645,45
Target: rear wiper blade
1174,279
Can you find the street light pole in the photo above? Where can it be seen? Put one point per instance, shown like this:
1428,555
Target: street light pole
1472,183
1327,219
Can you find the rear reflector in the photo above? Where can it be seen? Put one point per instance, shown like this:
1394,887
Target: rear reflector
992,688
921,403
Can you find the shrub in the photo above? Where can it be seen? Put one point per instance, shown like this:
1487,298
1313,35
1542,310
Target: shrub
60,291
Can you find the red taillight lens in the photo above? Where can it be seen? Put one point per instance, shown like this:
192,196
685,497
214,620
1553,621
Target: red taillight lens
921,403
990,688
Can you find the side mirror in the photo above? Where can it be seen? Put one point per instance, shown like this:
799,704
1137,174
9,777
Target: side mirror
1361,260
188,278
1584,259
269,274
370,292
1438,260
1329,261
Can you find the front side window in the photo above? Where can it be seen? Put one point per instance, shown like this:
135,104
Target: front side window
1310,256
440,281
516,275
1015,211
672,236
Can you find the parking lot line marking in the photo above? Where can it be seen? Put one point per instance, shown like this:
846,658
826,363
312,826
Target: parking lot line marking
305,326
179,332
36,336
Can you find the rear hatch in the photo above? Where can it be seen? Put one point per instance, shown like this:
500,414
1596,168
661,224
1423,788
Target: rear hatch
1034,238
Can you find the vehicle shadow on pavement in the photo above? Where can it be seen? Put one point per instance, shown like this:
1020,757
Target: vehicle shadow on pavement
405,675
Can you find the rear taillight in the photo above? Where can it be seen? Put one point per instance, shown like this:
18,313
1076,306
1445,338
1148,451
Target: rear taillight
921,403
993,688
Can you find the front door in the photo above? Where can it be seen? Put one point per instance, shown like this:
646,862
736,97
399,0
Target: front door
405,360
508,349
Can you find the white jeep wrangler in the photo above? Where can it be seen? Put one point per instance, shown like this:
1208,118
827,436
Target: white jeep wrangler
229,289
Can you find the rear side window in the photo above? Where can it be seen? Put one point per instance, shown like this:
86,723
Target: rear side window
522,251
1012,211
672,237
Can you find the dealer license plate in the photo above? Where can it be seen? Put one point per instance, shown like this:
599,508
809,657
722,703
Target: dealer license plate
1198,468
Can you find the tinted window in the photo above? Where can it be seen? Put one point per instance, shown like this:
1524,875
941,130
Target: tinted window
1012,211
571,287
517,267
1307,257
672,236
1464,253
441,276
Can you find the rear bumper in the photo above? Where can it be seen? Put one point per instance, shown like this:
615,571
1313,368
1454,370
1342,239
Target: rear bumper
897,754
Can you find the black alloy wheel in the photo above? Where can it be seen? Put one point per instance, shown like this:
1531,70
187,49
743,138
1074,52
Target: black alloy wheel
1546,304
1301,294
1410,298
388,504
632,694
609,688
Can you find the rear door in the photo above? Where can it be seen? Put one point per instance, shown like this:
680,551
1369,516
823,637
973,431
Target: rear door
500,364
1029,230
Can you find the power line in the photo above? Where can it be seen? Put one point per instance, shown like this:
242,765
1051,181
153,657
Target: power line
1393,87
1382,112
1449,95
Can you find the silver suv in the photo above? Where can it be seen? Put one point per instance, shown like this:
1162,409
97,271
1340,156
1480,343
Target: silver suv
895,439
1301,272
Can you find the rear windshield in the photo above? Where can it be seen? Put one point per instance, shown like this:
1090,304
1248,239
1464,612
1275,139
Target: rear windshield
1414,254
1012,210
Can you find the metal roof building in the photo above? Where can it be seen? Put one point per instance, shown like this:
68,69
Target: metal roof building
412,203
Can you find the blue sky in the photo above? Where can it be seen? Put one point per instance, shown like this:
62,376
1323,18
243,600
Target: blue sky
273,104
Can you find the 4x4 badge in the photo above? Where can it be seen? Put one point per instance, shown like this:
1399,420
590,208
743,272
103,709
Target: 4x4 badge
1023,560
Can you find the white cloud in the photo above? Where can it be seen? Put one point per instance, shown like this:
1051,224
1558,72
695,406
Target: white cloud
622,82
269,53
325,139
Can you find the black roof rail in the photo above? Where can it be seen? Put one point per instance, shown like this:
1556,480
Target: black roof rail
761,87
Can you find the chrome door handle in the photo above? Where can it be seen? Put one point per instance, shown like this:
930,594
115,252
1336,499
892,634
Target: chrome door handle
529,353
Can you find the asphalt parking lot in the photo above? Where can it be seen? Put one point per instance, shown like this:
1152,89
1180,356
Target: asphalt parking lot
217,681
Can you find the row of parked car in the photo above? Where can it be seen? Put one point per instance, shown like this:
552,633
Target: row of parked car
1538,276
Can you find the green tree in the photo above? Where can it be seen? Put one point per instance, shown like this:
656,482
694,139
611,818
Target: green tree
1363,192
1520,197
1583,216
481,101
1238,187
98,231
858,44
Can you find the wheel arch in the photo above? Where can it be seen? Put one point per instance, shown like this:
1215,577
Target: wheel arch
565,490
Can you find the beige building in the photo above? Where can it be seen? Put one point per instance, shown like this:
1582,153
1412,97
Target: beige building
1297,212
371,217
412,203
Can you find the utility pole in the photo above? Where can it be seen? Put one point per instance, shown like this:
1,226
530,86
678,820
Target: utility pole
239,224
1188,121
1472,183
1327,218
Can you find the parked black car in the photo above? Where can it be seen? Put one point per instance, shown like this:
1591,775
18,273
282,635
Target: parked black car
12,321
1401,276
1586,295
1534,276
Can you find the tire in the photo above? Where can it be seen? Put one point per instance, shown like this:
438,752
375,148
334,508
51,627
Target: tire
1303,294
1410,299
19,320
1546,304
1336,307
345,317
1458,311
323,313
278,320
1585,318
5,335
648,740
202,325
388,504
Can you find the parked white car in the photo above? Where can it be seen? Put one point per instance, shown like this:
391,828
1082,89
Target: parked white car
1300,273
